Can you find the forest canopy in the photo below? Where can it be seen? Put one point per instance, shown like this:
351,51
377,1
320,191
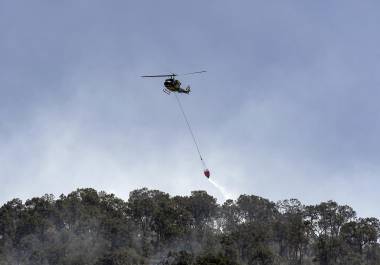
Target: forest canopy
152,227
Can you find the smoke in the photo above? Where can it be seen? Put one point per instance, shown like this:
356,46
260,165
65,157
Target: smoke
222,190
84,246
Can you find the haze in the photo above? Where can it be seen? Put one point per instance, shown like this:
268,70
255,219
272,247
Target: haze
288,108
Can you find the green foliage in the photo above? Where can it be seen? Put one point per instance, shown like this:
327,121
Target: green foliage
214,259
90,227
178,258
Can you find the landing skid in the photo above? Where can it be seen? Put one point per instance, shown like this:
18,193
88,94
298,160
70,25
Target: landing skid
167,91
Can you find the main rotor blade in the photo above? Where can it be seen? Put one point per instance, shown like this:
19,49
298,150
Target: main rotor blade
199,72
158,75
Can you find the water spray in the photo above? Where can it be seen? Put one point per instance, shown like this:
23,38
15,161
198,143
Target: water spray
221,189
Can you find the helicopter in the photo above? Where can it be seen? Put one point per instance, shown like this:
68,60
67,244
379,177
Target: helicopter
174,85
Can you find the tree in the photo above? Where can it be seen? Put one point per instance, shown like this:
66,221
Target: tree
327,220
90,227
253,208
292,230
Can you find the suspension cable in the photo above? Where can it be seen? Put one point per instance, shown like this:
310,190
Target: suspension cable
190,130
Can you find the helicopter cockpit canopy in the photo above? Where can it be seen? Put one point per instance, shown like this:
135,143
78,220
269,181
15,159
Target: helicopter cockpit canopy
169,82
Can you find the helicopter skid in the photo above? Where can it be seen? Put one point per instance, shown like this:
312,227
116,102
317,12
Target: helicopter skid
167,91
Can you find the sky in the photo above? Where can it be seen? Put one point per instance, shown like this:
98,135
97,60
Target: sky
288,107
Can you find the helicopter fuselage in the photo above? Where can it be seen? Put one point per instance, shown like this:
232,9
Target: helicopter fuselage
172,84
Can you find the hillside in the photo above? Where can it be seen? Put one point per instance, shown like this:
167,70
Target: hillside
152,227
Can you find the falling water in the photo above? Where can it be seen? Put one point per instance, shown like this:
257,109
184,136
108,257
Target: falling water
222,190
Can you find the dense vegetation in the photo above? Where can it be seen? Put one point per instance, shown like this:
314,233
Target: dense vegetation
90,227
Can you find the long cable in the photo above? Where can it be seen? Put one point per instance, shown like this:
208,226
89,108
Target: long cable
190,130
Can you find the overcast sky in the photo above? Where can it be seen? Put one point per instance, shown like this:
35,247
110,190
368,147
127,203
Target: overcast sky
289,107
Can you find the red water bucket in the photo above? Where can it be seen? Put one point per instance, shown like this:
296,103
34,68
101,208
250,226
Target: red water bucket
207,173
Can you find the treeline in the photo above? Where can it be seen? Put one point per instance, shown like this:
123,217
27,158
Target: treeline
90,227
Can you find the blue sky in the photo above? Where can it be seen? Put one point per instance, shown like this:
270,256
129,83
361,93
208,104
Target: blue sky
288,108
